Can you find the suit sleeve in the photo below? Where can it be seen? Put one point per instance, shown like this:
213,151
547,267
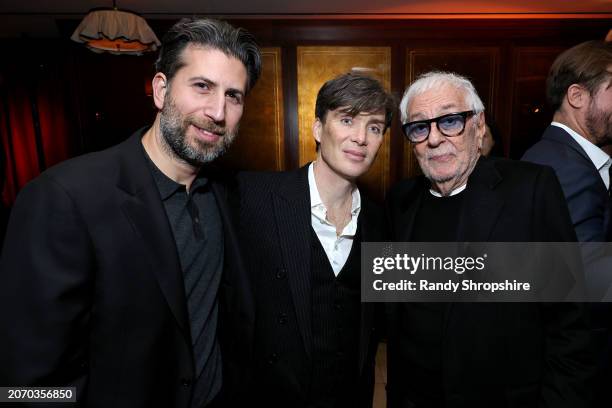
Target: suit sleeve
582,188
46,270
569,359
396,367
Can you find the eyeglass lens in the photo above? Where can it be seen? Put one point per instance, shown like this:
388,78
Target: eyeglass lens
448,125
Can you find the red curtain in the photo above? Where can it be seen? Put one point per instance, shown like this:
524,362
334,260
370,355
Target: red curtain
34,128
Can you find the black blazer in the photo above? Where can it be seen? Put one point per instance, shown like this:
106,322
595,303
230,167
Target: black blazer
590,207
589,204
498,354
275,226
91,288
584,190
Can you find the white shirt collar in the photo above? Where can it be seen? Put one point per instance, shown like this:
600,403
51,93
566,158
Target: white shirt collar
597,156
454,192
336,247
320,211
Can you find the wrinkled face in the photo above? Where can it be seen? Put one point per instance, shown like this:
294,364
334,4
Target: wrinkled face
446,160
599,114
203,104
349,144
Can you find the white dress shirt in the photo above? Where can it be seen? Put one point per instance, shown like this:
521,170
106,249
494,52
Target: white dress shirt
600,159
337,247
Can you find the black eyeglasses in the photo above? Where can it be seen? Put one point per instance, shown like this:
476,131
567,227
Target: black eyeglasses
451,124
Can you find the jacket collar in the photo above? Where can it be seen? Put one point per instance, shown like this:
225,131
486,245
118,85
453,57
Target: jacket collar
143,207
291,204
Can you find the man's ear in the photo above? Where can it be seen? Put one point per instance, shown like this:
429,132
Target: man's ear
481,128
317,128
577,96
160,86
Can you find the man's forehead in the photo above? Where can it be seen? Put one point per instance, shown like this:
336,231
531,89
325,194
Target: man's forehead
348,110
196,54
437,100
201,61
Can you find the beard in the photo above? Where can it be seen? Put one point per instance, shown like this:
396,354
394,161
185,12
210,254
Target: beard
599,125
174,125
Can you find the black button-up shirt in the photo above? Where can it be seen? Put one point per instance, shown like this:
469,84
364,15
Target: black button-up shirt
198,233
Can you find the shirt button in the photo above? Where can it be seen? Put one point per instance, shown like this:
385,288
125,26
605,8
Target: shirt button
185,382
273,358
282,318
280,273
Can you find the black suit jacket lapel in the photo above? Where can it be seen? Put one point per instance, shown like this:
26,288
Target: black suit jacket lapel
559,135
291,205
480,210
234,274
236,298
482,205
409,206
369,232
143,207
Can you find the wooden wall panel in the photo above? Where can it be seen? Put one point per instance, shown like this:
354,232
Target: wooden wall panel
110,100
530,111
316,65
260,142
479,64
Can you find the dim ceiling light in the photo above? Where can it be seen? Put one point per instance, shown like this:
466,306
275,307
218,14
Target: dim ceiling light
115,31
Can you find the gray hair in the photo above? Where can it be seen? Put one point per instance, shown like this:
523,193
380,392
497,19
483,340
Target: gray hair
216,34
435,79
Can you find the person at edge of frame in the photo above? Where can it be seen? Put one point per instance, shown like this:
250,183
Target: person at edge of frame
577,146
121,273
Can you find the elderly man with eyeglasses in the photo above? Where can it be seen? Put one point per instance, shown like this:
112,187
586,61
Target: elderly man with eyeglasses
478,354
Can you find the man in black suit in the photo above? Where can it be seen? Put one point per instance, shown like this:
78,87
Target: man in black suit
579,89
470,354
113,261
314,341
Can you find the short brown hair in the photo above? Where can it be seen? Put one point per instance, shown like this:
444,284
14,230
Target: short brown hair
355,93
585,64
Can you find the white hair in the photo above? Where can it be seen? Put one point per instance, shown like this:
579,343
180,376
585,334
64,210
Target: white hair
435,79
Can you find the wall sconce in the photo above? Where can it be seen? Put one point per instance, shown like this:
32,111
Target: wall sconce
148,86
115,31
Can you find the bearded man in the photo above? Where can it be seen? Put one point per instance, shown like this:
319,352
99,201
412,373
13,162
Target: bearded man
113,261
579,89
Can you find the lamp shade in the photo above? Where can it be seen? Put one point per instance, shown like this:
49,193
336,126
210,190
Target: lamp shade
116,32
